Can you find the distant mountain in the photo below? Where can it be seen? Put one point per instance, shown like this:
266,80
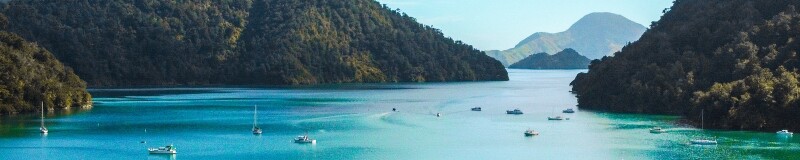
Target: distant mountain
30,75
566,59
594,36
245,42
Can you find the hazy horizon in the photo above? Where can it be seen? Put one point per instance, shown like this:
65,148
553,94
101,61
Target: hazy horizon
489,25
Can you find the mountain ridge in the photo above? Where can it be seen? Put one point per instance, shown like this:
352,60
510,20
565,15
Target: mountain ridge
595,35
566,59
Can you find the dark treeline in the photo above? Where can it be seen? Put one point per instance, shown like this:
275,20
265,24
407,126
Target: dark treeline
566,59
735,59
244,42
30,75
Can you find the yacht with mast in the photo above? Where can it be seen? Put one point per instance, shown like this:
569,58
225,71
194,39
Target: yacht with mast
43,129
703,141
256,130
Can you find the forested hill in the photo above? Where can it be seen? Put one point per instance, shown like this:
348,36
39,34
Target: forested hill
566,59
30,75
245,42
735,59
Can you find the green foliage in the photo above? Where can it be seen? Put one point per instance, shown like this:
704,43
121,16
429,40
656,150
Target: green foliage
30,75
735,59
566,59
245,42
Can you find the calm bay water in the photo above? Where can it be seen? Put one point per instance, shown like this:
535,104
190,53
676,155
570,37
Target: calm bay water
356,122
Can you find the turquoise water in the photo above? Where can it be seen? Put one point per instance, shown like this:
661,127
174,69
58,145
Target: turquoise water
356,122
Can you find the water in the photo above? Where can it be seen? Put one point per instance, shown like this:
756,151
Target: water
356,122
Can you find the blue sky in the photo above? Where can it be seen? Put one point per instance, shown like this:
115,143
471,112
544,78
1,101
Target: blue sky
501,24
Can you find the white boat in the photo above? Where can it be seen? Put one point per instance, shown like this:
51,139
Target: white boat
304,139
515,111
42,128
438,114
555,118
569,110
163,150
784,132
704,142
531,132
476,109
702,126
256,130
657,130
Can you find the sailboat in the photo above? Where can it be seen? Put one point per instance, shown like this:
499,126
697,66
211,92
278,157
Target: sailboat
703,141
553,111
42,128
256,130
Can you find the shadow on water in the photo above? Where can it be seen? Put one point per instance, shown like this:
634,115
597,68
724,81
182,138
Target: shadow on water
163,156
119,93
21,125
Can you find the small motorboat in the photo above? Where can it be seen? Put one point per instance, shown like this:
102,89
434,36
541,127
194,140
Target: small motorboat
304,140
438,114
784,132
704,142
170,149
657,130
569,110
531,132
515,111
555,118
476,109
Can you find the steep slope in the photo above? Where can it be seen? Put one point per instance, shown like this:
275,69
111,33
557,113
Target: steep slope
594,36
246,42
566,59
734,59
30,75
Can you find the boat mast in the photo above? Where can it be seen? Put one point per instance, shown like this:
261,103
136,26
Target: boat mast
255,112
702,119
42,105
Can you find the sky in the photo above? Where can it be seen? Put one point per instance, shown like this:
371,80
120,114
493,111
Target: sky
501,24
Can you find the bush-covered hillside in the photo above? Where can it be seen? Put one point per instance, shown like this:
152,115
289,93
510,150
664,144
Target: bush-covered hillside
245,42
735,59
566,59
30,75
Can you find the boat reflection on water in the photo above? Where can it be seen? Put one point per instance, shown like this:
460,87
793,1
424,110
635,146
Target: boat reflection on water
163,156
